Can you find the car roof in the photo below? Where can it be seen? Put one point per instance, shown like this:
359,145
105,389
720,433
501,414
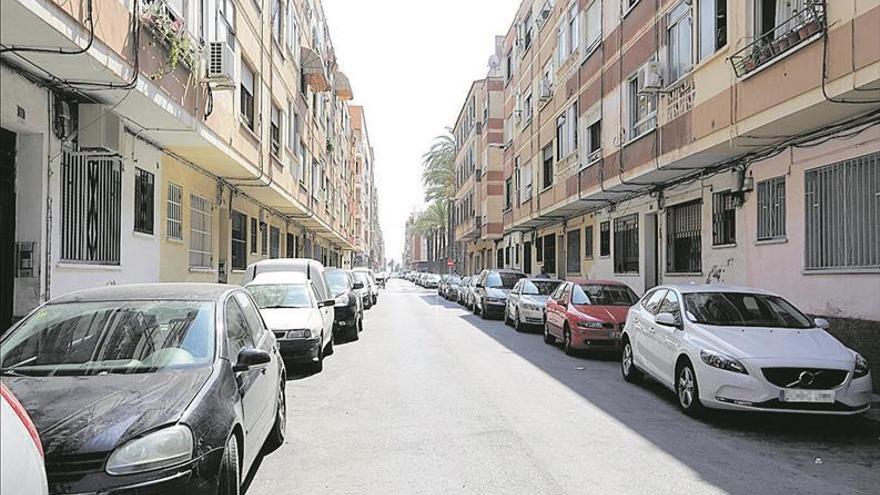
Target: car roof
505,270
594,281
164,291
692,288
279,278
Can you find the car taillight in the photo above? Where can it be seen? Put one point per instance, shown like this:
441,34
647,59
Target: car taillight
23,416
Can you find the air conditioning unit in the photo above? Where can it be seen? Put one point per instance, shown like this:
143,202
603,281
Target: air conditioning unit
99,128
545,89
220,63
650,77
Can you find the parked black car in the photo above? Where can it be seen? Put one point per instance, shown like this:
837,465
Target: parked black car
165,388
491,290
349,308
364,290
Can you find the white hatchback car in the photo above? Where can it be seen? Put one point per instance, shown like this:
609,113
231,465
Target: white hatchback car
741,348
22,470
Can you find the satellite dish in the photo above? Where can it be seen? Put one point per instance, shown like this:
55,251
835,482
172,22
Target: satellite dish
494,62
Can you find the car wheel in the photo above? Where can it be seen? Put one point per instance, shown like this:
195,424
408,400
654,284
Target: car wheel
548,338
276,436
631,374
507,317
566,341
375,300
518,324
355,332
230,469
483,313
688,391
318,366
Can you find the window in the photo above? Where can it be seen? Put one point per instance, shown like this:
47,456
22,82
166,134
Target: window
201,221
277,21
527,111
652,300
275,130
174,212
499,258
291,246
238,336
712,26
91,192
771,209
508,193
842,208
723,218
593,26
247,96
548,167
274,242
550,253
508,67
239,241
254,236
526,182
592,140
626,244
573,251
225,22
642,110
670,305
316,178
683,253
566,132
143,201
588,242
292,33
605,238
679,35
539,251
264,239
567,37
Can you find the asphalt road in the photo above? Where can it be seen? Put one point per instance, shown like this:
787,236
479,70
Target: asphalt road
434,400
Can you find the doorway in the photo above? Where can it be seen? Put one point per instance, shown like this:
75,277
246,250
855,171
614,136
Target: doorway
527,258
7,226
652,235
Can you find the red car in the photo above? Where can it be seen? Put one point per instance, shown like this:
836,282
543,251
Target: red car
588,314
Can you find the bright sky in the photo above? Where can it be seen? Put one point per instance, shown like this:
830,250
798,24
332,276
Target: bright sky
411,63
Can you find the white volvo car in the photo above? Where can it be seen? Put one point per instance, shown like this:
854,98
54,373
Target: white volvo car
741,348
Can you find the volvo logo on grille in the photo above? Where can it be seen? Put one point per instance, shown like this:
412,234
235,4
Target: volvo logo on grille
805,379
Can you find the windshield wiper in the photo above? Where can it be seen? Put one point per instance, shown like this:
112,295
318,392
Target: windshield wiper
282,307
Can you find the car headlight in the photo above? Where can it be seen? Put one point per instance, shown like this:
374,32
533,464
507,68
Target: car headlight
722,362
157,450
342,300
299,334
861,368
591,324
532,307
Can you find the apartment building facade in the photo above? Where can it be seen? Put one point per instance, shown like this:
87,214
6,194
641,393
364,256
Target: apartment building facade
163,140
675,141
481,192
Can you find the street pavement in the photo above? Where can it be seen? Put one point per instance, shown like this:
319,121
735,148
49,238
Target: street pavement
433,400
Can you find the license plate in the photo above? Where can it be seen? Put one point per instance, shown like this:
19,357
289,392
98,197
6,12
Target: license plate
798,395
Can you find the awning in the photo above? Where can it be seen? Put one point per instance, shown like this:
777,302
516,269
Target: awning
313,68
342,86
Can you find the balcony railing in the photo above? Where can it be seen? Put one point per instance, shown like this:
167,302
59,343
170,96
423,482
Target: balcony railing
791,33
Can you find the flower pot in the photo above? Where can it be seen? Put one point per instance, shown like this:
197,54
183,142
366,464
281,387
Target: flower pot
808,29
782,44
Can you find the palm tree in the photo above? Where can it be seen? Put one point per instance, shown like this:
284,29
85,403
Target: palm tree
438,177
438,174
433,223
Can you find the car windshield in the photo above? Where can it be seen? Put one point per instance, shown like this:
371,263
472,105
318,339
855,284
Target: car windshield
360,277
90,338
742,309
539,287
273,296
603,295
502,280
337,281
453,281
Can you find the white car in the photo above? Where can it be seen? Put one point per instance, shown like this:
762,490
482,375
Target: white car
22,468
293,310
527,301
740,348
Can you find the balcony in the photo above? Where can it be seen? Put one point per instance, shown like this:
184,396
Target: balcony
776,42
469,229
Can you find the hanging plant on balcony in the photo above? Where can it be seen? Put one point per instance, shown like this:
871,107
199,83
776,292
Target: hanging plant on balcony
170,31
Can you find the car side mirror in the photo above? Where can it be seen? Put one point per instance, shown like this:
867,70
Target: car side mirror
250,358
480,286
667,320
358,285
821,323
327,303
